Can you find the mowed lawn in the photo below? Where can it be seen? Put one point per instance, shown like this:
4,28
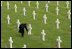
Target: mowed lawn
35,40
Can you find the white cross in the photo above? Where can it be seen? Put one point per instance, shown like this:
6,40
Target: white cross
18,22
67,3
21,2
15,8
37,4
70,26
10,42
34,15
57,10
48,1
57,3
47,7
29,3
24,46
30,28
1,3
8,18
57,21
24,11
43,35
44,18
59,41
68,14
7,5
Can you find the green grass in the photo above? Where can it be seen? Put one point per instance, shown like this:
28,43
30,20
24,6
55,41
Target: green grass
35,41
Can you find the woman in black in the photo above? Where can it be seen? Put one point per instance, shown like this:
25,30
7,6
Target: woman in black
21,28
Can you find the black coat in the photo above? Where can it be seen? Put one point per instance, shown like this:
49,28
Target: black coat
21,28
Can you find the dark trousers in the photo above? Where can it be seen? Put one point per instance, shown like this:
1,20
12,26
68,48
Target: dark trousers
22,34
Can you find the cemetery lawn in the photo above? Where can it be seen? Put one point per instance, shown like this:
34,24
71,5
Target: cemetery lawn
35,40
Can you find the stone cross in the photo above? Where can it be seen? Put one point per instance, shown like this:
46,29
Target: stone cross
43,35
18,22
37,4
29,3
44,18
8,18
59,41
68,14
7,5
1,3
34,15
67,3
47,7
30,28
48,1
15,8
70,26
24,46
57,21
24,11
57,10
21,2
10,42
57,3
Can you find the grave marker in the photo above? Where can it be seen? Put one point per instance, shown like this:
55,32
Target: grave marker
67,3
43,35
24,11
10,42
48,1
68,14
18,22
70,26
57,3
24,46
29,3
34,15
8,18
1,3
44,18
47,7
57,10
30,28
59,41
15,8
37,4
21,2
7,5
57,21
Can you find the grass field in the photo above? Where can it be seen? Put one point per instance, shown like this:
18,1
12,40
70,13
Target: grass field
34,40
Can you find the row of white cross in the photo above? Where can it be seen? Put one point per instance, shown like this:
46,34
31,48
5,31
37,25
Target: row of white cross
37,6
29,32
37,3
57,11
44,17
10,40
57,21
